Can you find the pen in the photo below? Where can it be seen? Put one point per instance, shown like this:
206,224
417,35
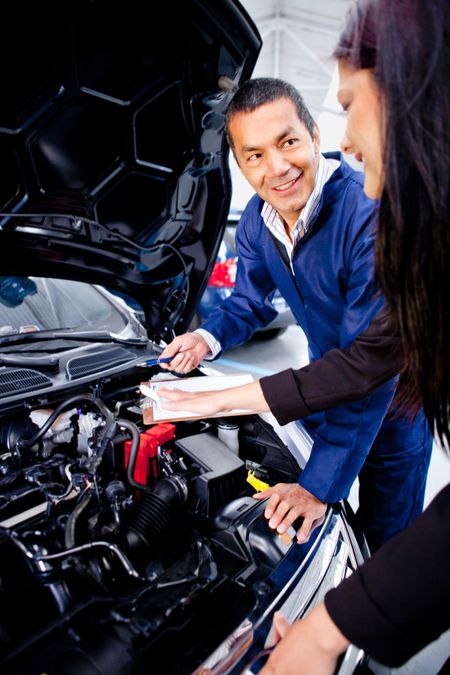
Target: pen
155,361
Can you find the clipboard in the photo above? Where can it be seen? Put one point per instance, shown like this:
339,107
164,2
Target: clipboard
153,410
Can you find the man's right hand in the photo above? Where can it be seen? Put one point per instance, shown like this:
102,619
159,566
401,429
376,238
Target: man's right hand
187,350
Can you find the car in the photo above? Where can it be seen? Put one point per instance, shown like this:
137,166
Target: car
127,547
222,281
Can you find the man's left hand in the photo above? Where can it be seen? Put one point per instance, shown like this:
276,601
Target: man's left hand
289,501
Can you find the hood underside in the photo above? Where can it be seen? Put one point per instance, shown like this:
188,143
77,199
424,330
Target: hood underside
114,162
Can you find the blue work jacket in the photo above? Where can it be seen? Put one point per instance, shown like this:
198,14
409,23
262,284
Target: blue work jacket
333,295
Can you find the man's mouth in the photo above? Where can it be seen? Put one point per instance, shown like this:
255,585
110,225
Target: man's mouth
286,186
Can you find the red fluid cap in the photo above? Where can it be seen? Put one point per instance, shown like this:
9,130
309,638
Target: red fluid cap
146,464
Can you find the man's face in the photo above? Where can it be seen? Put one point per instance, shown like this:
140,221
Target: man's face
277,155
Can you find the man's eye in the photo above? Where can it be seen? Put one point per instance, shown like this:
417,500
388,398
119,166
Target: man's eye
253,158
290,141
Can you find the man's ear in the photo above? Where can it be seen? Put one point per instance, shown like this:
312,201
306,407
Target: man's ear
316,139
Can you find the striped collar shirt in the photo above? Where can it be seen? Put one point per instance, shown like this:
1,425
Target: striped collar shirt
274,222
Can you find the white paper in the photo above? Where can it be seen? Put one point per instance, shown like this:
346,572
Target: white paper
151,388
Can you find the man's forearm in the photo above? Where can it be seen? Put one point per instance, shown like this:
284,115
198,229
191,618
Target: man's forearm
340,376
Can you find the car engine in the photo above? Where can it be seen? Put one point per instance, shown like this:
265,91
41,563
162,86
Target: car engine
123,546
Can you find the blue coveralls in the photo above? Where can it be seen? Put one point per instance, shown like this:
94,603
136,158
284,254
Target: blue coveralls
333,296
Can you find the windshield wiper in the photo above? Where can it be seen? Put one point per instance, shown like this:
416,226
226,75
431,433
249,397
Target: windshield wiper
84,336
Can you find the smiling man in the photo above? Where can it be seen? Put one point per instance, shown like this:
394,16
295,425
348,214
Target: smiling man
309,232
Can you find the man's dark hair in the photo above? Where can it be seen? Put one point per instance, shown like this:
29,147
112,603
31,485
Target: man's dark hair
406,47
261,90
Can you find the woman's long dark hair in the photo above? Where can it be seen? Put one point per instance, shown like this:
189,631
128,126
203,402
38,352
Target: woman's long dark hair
406,43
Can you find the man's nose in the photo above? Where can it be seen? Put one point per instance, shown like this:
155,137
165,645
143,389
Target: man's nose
276,164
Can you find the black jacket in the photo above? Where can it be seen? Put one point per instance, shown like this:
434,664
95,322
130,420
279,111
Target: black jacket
399,600
340,376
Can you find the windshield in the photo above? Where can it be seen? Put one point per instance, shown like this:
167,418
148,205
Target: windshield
29,304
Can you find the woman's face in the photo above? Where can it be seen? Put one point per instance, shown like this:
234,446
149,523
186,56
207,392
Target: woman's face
360,98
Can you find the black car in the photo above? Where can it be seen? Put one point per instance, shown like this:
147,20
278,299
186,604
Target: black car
127,548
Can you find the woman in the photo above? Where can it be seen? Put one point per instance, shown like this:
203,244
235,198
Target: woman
394,68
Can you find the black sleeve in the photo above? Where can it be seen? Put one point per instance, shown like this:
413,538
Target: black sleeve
340,376
398,601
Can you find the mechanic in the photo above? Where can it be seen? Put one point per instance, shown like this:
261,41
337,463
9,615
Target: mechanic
309,231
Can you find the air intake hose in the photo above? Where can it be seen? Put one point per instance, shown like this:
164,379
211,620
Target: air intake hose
155,510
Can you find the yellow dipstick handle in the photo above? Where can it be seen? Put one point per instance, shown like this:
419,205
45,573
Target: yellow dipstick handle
259,485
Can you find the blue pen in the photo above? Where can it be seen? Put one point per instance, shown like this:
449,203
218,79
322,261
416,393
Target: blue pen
155,362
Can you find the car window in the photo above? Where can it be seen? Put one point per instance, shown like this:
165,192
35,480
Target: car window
31,303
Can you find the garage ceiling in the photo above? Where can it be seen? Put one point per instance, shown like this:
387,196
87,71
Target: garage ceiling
298,41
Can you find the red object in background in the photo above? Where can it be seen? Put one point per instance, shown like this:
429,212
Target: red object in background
146,465
224,273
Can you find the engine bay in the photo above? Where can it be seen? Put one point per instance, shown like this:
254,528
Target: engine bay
122,545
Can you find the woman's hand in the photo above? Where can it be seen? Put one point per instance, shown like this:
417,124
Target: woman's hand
310,646
205,403
245,397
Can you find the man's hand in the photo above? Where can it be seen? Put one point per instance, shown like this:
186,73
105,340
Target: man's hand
289,501
187,350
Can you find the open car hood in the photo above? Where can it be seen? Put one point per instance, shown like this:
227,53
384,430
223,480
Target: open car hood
114,161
